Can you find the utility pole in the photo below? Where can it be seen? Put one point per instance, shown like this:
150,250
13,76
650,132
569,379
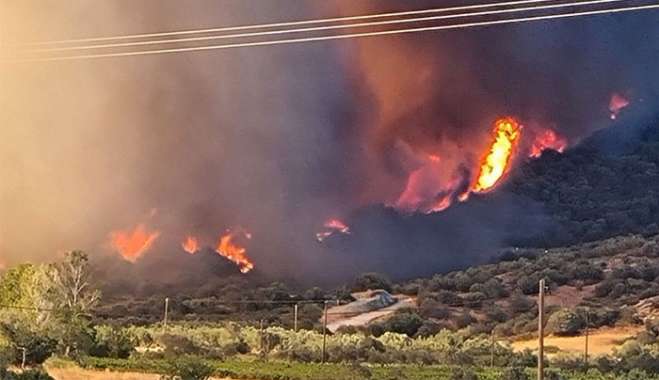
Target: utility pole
262,338
585,356
541,330
492,350
324,332
164,321
24,356
295,318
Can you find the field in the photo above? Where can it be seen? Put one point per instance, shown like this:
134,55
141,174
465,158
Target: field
600,342
76,373
97,369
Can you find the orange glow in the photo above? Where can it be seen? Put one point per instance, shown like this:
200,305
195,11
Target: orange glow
229,248
338,225
131,244
332,226
548,139
190,245
497,161
422,184
441,205
617,103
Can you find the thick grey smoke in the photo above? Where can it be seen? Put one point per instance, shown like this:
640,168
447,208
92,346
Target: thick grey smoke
278,139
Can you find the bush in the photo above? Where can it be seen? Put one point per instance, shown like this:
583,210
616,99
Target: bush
403,323
188,368
373,281
458,373
112,342
515,373
520,303
565,322
433,309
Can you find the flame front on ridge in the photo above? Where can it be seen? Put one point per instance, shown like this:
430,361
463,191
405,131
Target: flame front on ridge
496,162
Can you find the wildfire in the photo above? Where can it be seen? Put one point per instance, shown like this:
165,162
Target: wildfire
496,162
190,245
442,204
617,103
423,184
332,226
131,244
229,248
548,139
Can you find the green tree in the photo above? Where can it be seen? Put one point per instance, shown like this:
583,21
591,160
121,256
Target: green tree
73,298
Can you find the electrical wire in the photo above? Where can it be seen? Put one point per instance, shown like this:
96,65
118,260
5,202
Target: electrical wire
286,23
342,36
322,28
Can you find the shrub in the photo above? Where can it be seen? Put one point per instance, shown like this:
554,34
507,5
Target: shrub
565,322
403,323
458,373
371,281
520,303
112,342
463,320
515,373
433,309
188,368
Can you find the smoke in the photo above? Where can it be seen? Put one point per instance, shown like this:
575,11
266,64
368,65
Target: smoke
280,139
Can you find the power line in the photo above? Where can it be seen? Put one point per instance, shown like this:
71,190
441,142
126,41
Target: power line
286,23
343,36
321,28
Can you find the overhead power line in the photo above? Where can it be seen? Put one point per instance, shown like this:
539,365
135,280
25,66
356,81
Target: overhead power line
344,36
322,28
286,23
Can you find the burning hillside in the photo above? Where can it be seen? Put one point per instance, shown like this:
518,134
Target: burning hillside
131,244
229,247
498,158
411,139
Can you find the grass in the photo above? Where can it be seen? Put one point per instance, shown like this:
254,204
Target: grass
600,342
77,373
117,369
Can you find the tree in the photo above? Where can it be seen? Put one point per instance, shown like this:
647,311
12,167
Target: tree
372,281
72,297
565,322
189,368
23,326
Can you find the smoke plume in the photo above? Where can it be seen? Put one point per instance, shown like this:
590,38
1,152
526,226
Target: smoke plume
280,139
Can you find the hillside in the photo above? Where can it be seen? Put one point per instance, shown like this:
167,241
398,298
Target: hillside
608,185
614,281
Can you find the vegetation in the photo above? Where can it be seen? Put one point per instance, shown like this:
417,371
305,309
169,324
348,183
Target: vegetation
604,187
54,310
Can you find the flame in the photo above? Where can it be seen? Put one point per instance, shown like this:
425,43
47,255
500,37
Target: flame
442,204
548,139
338,225
228,248
496,162
132,244
422,184
617,103
190,245
333,226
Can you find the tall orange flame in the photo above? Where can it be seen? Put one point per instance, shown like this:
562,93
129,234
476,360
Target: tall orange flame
228,248
131,244
548,139
190,245
496,162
